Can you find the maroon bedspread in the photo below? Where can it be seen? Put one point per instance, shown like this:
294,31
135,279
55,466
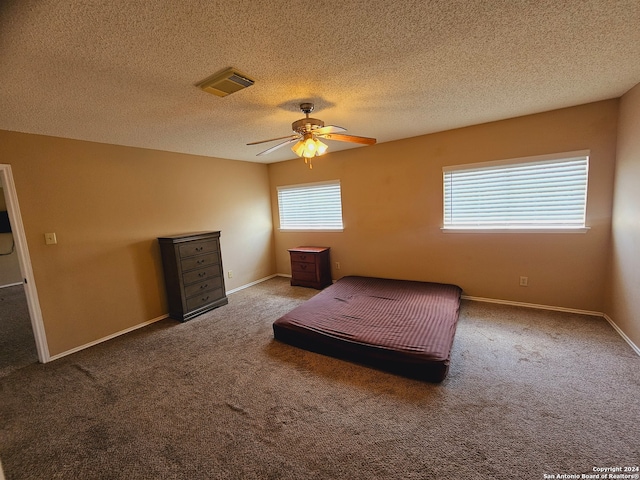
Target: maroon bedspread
399,325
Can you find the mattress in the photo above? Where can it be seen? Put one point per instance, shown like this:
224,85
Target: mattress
406,327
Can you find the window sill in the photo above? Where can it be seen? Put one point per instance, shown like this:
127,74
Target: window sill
311,229
515,230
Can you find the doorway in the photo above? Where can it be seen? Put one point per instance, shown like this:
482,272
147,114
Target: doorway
17,344
25,288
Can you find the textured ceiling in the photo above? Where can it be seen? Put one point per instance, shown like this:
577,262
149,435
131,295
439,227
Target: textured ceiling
124,72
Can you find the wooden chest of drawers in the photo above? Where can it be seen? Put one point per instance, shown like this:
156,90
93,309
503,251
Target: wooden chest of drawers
193,274
310,267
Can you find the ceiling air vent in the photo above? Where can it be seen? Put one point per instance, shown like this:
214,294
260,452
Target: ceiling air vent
226,82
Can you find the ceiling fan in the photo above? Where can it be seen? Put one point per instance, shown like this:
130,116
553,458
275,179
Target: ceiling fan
307,132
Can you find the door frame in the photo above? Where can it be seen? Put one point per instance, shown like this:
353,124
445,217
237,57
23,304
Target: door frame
22,250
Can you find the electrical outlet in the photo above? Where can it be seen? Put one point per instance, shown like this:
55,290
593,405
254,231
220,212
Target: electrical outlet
337,265
524,281
230,273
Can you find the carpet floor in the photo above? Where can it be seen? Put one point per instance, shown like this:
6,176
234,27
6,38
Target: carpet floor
17,345
529,393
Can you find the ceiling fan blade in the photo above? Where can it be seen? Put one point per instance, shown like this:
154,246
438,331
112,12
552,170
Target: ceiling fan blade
273,139
329,129
349,138
275,147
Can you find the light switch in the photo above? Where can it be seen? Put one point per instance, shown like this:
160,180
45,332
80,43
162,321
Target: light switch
50,238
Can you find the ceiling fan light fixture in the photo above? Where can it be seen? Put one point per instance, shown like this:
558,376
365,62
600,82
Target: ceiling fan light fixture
298,148
321,148
310,148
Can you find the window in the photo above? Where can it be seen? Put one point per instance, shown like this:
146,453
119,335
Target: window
546,192
312,206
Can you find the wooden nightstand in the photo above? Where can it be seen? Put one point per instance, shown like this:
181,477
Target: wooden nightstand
310,267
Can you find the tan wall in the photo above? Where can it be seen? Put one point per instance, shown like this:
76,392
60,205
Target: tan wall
9,265
107,205
392,210
624,294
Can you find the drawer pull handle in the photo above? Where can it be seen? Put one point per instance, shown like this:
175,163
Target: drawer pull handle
199,262
204,299
303,267
202,274
204,286
198,249
303,257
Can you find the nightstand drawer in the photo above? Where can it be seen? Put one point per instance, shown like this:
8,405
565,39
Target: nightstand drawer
197,248
199,261
305,277
303,267
303,257
198,288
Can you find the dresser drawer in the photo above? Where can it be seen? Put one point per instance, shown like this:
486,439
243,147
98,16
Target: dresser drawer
205,286
303,267
204,299
199,261
197,248
303,257
201,274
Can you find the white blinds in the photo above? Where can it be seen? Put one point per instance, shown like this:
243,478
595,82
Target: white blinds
550,193
316,206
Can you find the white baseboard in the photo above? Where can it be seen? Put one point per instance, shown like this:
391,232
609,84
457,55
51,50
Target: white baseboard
533,305
559,309
11,285
264,279
141,325
621,333
465,297
108,337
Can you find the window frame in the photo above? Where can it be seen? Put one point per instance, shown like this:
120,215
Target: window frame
308,228
543,228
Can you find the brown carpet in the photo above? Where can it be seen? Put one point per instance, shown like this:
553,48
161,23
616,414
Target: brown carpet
529,392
